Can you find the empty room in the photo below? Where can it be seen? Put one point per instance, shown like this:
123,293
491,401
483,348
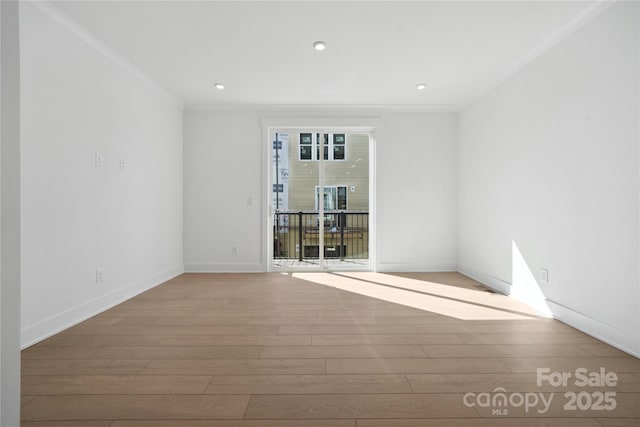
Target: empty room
319,213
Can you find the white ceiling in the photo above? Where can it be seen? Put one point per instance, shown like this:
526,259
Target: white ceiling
377,51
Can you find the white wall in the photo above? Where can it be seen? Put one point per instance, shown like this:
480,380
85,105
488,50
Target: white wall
76,217
417,192
549,161
10,215
224,166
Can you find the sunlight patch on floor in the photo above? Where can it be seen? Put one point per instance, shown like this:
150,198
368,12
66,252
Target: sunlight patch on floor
455,292
448,300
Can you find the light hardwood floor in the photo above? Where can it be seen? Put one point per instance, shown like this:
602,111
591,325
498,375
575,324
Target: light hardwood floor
321,350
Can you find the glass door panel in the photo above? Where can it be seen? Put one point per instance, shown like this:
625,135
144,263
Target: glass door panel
346,191
320,199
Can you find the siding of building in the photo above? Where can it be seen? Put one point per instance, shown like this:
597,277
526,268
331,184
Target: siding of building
353,172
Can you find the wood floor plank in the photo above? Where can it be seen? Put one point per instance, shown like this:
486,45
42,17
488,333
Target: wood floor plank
525,338
209,330
151,407
299,423
265,313
395,339
66,423
103,329
281,321
179,304
439,328
235,366
308,384
297,298
422,318
346,329
505,350
515,327
505,328
240,321
178,352
83,366
350,307
357,406
619,422
115,384
236,340
332,352
493,422
160,340
116,312
104,339
473,382
417,366
177,423
59,352
235,423
184,321
603,350
386,312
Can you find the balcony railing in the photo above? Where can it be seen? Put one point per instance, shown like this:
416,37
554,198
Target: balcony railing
296,235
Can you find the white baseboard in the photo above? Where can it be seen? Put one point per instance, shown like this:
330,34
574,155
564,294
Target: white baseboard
611,335
392,267
620,339
35,333
225,268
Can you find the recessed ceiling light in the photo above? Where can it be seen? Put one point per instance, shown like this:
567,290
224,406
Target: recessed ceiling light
219,86
421,86
319,45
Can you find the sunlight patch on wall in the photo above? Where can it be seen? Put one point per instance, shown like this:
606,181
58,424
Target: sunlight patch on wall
524,286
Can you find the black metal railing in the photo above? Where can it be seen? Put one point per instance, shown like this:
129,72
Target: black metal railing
296,235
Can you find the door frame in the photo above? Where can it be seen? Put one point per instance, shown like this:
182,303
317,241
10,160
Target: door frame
359,125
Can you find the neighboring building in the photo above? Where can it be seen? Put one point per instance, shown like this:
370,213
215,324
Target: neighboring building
346,178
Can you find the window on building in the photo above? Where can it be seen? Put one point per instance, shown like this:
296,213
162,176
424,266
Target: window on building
338,146
334,146
335,197
306,146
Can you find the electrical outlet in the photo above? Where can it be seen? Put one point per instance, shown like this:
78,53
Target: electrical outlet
123,164
544,275
99,160
234,250
99,275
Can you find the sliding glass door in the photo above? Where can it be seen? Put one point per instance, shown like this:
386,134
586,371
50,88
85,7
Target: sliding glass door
320,199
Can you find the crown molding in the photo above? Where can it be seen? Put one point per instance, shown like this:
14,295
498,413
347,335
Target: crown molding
585,16
72,26
324,108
